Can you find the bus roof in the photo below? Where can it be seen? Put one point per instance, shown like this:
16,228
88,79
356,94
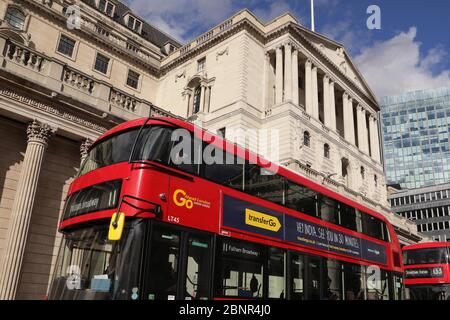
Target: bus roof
284,171
426,245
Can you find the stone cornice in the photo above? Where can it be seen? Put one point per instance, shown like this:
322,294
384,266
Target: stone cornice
51,110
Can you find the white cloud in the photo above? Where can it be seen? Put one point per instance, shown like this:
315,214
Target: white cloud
395,66
180,17
274,10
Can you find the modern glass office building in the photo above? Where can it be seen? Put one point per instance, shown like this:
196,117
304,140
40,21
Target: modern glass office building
415,130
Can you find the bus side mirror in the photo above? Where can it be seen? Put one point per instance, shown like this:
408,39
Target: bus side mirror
116,226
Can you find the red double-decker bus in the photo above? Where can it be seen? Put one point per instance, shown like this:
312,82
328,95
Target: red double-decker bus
427,271
240,227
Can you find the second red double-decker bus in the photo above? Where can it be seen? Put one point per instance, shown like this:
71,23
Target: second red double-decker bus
238,227
427,271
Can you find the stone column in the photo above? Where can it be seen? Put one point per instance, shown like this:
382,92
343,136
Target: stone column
279,76
84,149
202,98
267,81
349,131
362,130
374,140
315,93
308,87
207,99
295,98
287,72
326,101
38,138
332,107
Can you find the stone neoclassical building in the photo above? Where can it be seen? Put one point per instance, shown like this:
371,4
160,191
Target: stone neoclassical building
62,85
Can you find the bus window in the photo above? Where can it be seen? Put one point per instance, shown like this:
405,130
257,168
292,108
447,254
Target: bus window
329,209
347,217
354,283
373,227
398,287
425,256
154,144
377,285
164,265
264,184
240,269
301,199
226,169
313,279
198,268
297,277
333,280
276,273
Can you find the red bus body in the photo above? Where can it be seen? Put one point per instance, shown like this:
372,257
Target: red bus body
169,188
430,280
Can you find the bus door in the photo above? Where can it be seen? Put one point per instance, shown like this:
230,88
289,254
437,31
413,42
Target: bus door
179,264
313,282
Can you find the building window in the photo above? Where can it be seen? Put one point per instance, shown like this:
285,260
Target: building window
15,17
134,24
201,64
197,99
101,63
66,46
375,180
306,139
133,79
363,172
106,7
326,151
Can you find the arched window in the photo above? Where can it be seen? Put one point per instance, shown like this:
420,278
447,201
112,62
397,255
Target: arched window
306,139
326,151
196,102
363,172
15,17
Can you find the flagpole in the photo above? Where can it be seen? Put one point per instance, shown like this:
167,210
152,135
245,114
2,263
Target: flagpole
313,28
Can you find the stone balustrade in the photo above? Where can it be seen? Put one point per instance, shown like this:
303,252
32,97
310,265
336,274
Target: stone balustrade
24,56
78,80
122,100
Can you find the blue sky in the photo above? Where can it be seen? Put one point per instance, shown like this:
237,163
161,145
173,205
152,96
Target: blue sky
410,52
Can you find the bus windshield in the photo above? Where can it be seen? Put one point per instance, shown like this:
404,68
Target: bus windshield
426,256
91,267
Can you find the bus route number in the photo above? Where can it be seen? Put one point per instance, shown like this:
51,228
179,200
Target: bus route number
173,219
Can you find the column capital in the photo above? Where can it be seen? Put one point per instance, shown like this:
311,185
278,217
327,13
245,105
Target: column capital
308,63
288,44
360,108
278,47
295,50
345,95
84,147
40,132
326,78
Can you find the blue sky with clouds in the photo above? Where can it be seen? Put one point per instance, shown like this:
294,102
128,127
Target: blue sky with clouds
410,52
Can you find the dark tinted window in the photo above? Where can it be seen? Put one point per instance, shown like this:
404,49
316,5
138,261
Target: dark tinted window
374,227
353,281
110,151
301,198
154,144
239,269
225,168
264,184
329,209
348,217
66,45
333,279
425,256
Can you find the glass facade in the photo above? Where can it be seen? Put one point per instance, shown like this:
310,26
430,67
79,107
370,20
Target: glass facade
416,129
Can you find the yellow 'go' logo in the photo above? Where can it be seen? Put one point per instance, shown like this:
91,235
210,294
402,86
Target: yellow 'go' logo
179,198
